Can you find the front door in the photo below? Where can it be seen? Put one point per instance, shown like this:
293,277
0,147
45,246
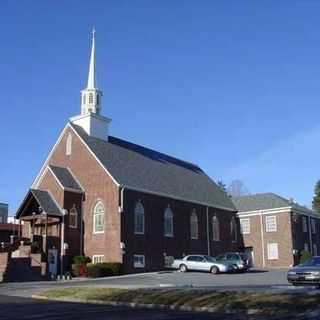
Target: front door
53,261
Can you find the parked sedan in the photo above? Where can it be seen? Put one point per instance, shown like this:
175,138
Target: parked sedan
305,273
201,263
239,261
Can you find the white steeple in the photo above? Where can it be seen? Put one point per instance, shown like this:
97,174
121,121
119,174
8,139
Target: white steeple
90,119
91,96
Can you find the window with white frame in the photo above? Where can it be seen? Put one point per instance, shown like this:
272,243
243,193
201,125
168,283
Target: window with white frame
98,218
139,218
271,223
194,225
273,253
306,246
233,230
73,217
69,145
313,226
245,225
99,258
215,229
315,249
168,222
138,261
304,224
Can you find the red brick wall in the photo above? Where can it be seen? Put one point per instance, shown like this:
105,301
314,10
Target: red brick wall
283,236
98,186
153,244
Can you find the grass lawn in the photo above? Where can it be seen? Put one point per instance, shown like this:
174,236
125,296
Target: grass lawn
262,303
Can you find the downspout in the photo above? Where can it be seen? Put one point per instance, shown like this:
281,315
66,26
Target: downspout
208,239
81,226
262,241
310,236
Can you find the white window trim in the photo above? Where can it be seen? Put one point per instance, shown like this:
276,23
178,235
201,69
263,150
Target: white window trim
94,215
304,224
194,214
137,266
247,220
276,257
276,223
215,236
95,256
69,144
168,234
313,226
75,226
134,217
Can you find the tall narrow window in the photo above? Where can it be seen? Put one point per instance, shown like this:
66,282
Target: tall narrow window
98,218
73,217
84,99
98,98
139,218
69,145
194,225
215,229
233,230
168,222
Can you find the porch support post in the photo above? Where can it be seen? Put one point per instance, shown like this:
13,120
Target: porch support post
33,222
45,241
20,228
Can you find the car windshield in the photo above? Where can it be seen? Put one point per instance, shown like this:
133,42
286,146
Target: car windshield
313,262
210,259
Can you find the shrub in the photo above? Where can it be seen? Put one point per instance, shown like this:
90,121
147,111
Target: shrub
104,269
79,270
81,260
304,256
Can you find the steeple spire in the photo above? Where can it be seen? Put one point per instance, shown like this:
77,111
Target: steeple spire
91,96
92,67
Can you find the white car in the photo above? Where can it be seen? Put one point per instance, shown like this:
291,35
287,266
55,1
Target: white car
200,263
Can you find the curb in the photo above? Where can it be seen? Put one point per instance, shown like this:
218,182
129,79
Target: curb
313,313
136,305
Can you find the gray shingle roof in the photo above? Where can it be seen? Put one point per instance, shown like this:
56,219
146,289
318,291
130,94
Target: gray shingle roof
65,177
264,201
46,202
141,168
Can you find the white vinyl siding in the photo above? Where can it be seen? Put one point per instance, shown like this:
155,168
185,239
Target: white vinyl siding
271,223
245,226
273,253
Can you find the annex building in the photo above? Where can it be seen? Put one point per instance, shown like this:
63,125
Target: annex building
276,230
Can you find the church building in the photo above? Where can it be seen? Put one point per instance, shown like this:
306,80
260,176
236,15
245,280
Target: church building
115,201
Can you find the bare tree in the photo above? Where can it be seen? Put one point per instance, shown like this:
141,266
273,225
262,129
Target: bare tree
237,189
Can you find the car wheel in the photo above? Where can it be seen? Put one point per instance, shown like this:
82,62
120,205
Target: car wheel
214,270
183,268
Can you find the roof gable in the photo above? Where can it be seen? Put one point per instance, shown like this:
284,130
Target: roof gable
65,178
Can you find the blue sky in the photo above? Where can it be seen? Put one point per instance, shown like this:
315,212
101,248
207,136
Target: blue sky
233,86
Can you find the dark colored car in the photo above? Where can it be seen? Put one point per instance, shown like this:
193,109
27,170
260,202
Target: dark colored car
307,273
239,261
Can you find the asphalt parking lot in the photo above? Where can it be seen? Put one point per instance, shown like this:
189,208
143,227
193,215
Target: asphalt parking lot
256,280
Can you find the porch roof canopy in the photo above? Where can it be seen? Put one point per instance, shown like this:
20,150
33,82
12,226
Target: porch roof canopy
38,203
